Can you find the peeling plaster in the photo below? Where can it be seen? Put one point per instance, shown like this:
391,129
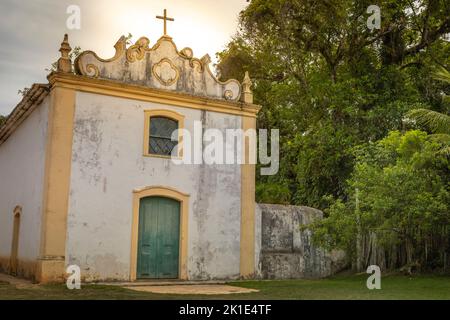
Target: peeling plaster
107,165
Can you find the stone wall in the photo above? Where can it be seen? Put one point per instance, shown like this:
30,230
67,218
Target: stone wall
286,251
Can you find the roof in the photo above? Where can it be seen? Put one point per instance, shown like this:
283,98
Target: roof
30,101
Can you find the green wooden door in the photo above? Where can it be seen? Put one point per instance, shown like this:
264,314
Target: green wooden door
159,236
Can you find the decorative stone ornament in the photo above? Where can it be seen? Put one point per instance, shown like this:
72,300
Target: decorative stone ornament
187,53
166,72
247,94
161,67
64,63
137,51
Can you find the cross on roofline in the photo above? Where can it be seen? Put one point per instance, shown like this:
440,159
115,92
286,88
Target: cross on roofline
165,18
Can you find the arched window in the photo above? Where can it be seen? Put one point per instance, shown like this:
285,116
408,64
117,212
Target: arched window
159,127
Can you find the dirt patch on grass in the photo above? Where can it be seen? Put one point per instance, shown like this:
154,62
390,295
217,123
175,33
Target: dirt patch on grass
193,289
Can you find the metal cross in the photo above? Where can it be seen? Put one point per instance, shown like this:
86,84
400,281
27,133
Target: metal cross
165,18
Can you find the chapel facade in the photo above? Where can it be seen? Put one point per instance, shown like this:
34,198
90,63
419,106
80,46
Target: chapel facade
87,177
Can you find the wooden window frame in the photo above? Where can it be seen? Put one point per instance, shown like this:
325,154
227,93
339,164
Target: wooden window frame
148,114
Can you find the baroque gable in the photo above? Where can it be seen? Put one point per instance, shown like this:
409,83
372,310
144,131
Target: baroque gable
161,66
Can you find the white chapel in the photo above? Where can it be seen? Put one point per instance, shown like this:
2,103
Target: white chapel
87,179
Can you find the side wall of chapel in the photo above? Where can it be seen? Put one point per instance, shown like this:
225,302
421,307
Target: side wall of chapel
22,164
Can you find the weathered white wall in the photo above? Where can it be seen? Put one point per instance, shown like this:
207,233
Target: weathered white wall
107,165
22,163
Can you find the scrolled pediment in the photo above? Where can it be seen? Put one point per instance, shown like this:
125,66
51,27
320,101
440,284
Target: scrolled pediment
161,66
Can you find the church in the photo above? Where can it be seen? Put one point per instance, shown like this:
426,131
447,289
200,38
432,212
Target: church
87,179
90,176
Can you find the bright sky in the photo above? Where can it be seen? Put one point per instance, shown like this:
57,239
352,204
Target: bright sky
31,32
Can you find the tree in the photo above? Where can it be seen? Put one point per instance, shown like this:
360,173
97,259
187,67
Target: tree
334,32
330,84
436,122
397,213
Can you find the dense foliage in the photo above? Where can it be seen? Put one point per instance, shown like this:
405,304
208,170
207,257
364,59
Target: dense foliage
399,200
334,87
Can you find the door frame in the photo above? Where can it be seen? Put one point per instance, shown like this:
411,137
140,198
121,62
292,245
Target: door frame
166,192
14,257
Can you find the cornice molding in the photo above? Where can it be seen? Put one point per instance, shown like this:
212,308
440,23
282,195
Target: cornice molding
142,93
38,92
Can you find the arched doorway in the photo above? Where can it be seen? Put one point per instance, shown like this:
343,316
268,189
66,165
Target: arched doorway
15,241
160,222
159,238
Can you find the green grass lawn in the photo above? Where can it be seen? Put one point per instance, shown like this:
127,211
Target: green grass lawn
340,287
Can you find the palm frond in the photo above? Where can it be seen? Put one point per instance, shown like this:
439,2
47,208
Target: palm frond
446,99
445,151
442,74
434,121
441,137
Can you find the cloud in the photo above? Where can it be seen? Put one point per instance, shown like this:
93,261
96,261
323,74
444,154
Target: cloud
31,32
